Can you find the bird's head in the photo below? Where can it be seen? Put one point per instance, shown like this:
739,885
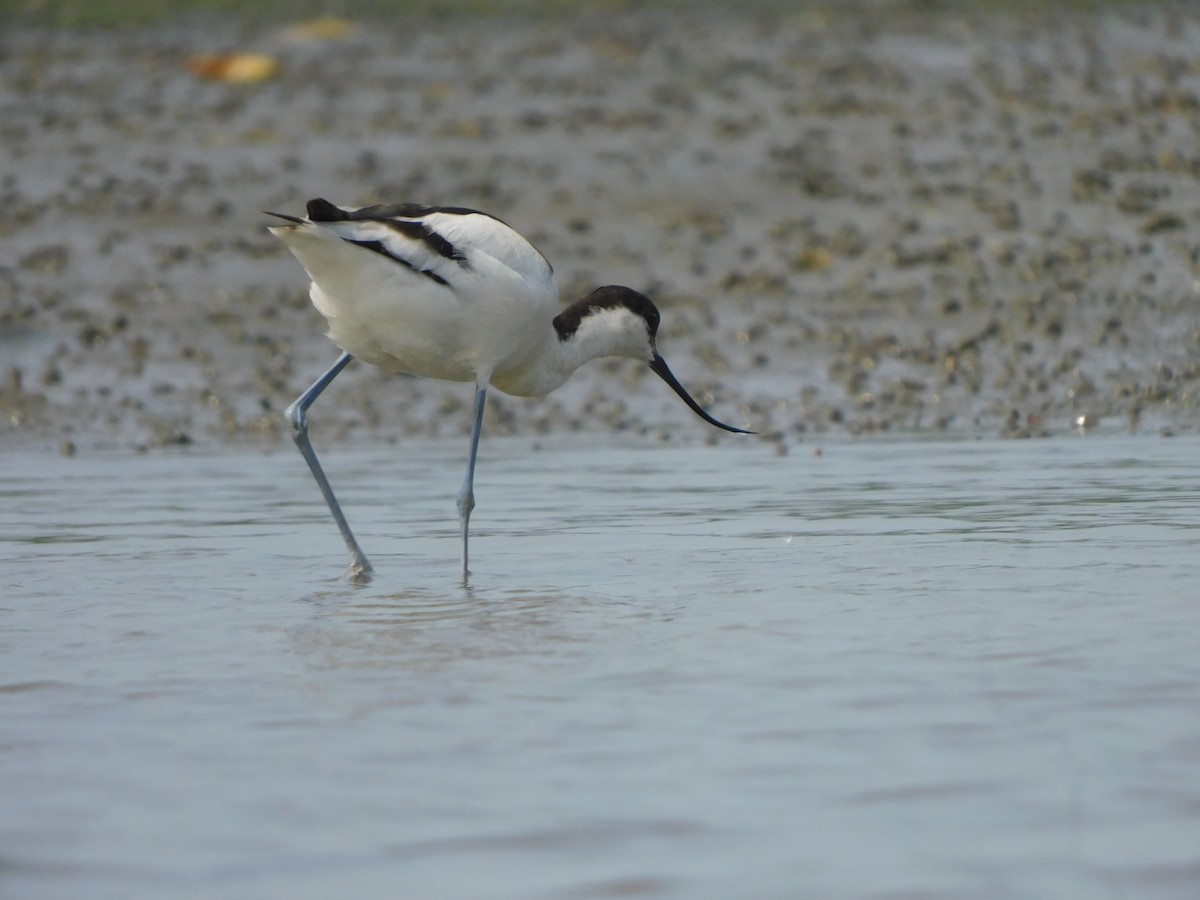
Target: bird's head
619,321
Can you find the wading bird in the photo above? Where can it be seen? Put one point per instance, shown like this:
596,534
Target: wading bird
452,293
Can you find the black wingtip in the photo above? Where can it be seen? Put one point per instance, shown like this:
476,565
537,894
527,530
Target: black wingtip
320,210
284,216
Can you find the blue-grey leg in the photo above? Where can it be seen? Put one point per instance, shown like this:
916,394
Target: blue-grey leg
296,414
466,495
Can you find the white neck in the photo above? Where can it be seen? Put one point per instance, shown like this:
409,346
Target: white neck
607,332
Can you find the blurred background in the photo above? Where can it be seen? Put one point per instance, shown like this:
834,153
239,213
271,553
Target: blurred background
856,218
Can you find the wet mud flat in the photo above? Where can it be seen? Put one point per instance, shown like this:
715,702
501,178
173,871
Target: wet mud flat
854,219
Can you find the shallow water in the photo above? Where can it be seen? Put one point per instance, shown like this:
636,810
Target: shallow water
906,668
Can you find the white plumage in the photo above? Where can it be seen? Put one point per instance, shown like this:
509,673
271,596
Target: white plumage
454,294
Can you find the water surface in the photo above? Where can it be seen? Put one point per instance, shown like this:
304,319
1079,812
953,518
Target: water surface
904,668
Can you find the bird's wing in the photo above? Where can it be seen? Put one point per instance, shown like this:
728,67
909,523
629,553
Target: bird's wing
476,232
438,242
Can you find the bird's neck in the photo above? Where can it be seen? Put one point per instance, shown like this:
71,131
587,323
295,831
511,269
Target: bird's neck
549,365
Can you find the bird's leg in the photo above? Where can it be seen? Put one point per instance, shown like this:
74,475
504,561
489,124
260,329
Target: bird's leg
466,495
296,415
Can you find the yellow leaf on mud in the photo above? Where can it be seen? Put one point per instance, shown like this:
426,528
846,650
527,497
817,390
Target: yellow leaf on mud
234,68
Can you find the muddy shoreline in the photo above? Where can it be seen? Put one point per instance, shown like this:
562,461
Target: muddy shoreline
852,223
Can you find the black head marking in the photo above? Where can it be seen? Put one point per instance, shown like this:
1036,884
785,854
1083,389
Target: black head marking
611,296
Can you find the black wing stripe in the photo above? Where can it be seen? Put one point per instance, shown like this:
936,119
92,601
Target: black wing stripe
323,211
405,219
419,231
378,247
410,211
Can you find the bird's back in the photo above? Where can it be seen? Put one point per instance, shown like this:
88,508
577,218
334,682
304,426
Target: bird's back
442,292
